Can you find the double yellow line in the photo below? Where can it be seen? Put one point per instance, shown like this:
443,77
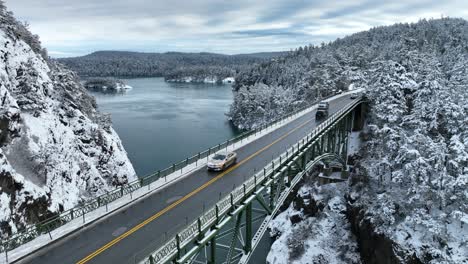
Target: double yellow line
174,204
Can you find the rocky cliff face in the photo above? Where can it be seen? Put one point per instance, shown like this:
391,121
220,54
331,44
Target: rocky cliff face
56,148
314,229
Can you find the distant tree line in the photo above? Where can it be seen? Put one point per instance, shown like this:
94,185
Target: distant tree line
171,65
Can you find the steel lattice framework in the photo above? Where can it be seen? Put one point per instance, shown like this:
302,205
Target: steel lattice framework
225,233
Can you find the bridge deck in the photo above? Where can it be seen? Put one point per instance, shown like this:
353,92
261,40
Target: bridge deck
128,236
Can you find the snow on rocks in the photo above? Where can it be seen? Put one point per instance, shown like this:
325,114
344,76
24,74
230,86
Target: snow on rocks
56,148
107,85
323,238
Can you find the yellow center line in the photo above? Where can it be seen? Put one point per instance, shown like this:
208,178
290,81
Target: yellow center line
174,204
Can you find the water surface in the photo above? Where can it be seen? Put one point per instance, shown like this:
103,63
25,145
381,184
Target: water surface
160,123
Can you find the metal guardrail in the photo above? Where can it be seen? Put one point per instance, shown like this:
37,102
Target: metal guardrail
166,252
48,225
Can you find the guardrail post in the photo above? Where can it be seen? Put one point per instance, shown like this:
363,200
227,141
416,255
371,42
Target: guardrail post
178,245
217,214
6,252
48,231
71,213
232,201
200,235
121,190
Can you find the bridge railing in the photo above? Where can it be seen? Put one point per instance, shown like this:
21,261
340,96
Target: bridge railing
168,250
48,225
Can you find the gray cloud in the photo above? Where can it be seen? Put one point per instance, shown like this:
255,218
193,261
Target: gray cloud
77,27
288,32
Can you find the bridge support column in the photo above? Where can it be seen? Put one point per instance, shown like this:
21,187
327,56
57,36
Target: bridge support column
248,228
334,140
273,191
343,133
305,155
212,259
329,140
313,152
358,117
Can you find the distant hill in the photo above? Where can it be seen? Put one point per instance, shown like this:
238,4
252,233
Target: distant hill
174,66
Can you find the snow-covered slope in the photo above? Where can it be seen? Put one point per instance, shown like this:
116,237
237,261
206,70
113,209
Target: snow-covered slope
415,163
56,148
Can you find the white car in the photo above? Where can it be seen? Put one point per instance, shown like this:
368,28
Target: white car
221,161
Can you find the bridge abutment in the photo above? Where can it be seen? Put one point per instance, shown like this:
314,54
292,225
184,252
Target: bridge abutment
359,116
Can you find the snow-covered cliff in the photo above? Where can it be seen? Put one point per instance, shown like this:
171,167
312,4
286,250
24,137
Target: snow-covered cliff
56,148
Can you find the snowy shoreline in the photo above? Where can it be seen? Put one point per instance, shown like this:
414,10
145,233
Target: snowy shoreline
207,80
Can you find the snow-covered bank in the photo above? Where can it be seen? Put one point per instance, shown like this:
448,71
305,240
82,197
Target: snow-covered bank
314,229
106,85
201,79
56,148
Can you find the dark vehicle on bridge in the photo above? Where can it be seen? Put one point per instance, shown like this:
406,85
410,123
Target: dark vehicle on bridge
221,161
322,111
355,95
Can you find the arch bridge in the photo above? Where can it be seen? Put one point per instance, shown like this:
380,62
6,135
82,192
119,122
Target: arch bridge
230,231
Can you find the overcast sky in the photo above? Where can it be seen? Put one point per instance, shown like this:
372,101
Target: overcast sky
70,28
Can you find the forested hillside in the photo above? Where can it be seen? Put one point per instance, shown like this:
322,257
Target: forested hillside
311,72
413,183
174,66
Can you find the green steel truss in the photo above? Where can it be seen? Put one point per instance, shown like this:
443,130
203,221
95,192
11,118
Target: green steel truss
230,231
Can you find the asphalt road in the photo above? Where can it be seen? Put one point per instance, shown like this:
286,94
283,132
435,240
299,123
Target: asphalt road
129,235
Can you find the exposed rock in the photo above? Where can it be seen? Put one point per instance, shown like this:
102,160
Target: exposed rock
376,248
